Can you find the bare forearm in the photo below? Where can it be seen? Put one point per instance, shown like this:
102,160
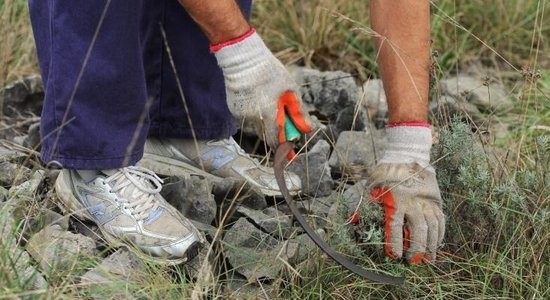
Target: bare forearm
221,20
404,56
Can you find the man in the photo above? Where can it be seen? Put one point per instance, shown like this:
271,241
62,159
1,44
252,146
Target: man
110,84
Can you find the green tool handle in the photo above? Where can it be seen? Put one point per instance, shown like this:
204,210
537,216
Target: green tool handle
291,133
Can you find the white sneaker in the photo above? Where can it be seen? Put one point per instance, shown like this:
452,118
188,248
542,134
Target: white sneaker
215,160
126,205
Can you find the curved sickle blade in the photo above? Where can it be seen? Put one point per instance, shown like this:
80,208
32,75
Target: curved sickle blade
280,158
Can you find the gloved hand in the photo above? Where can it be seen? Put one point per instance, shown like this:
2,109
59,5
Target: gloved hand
404,183
259,88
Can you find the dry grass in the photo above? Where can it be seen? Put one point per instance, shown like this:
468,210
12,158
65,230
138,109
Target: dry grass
17,54
335,35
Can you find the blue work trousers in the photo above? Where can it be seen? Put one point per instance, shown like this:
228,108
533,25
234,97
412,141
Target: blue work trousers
109,81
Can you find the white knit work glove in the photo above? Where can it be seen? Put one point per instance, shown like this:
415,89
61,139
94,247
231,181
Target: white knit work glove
404,183
259,88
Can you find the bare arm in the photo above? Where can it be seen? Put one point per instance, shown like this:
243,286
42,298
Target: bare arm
221,20
404,56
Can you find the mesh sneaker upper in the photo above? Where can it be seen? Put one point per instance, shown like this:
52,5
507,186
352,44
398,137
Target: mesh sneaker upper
223,158
127,206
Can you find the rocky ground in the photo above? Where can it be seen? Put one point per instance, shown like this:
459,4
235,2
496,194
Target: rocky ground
253,239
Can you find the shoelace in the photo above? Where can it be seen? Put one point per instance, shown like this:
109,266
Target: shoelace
138,187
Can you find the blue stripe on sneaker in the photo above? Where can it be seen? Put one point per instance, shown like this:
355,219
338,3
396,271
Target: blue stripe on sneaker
153,215
218,157
100,214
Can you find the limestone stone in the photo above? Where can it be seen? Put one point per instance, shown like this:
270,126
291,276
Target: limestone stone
191,196
248,250
300,248
487,96
233,189
275,224
375,101
24,95
313,168
12,173
32,139
3,194
356,152
122,265
333,96
56,248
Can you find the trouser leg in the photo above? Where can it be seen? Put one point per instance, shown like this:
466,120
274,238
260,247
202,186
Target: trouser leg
93,115
199,75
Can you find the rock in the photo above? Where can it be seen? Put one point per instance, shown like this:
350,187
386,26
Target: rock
33,279
243,289
22,196
375,102
11,173
55,248
120,267
356,152
332,96
490,129
486,96
7,222
191,196
208,230
244,234
315,220
35,205
230,189
283,207
32,139
314,170
248,250
354,196
498,130
27,189
10,152
43,217
16,261
447,106
18,266
320,206
51,217
19,140
276,224
327,90
315,211
348,119
298,249
201,267
3,194
22,96
90,230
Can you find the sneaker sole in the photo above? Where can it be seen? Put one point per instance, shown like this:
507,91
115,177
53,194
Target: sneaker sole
193,250
70,205
174,167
